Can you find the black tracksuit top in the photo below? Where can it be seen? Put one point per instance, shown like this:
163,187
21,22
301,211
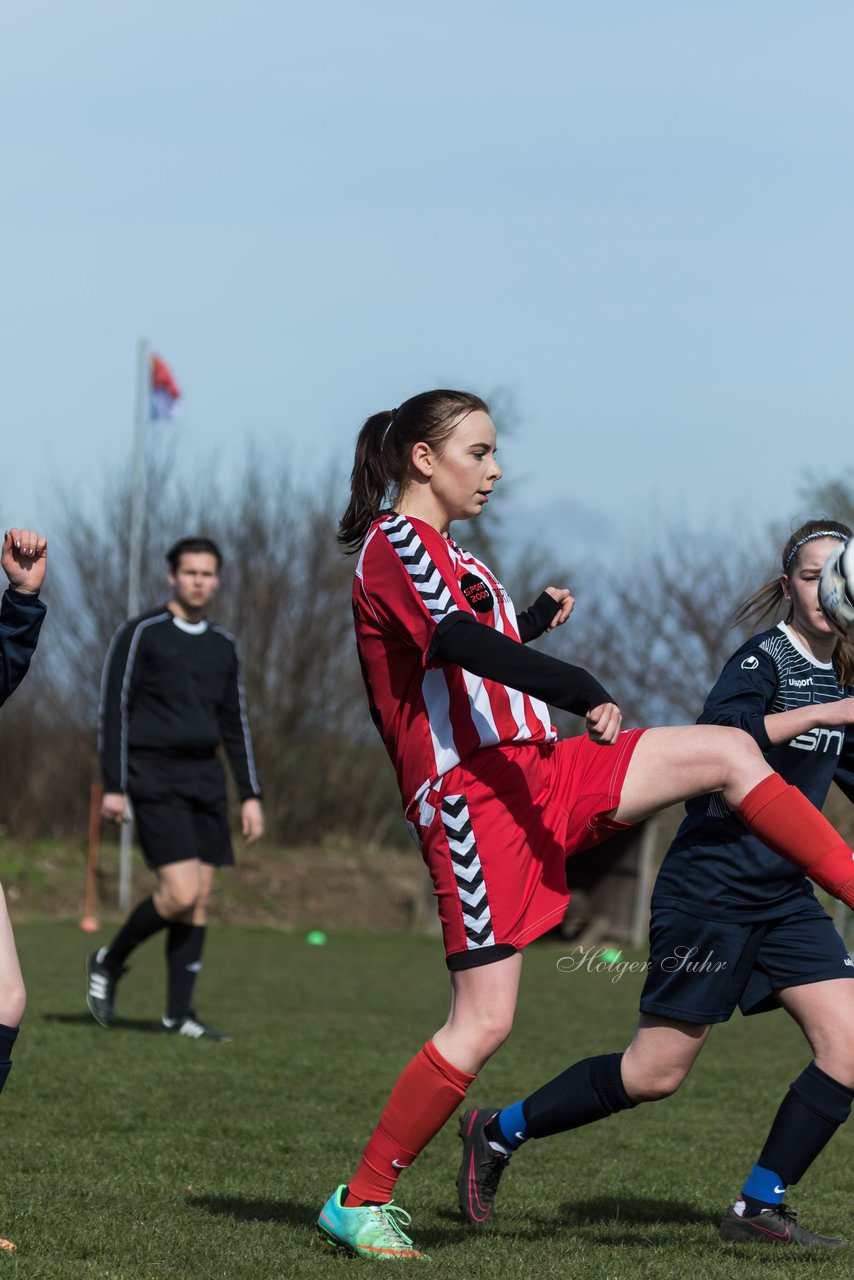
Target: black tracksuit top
172,689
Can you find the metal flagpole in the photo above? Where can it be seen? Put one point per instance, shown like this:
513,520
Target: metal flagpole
137,500
137,507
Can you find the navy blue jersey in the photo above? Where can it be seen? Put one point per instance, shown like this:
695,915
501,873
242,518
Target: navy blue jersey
715,868
21,617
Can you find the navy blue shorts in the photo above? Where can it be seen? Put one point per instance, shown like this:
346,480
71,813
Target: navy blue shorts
699,970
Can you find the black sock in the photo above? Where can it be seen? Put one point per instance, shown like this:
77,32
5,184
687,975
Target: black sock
587,1091
142,922
752,1206
809,1115
184,944
8,1036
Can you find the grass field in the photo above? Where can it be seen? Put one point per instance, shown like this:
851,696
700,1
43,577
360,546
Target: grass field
132,1154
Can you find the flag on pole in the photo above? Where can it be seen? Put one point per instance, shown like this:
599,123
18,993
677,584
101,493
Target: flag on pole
164,390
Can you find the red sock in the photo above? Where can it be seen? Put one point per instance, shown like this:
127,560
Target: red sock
427,1093
783,818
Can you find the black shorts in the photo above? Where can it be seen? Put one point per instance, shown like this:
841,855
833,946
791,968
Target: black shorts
699,970
181,810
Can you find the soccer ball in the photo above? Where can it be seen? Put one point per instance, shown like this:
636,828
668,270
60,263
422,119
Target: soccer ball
836,589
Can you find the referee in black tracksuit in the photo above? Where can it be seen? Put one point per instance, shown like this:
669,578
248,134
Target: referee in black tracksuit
171,693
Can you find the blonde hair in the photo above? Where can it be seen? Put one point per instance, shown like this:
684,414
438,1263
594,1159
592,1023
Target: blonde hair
769,601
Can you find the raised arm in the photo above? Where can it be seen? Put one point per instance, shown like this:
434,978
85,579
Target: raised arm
493,656
746,688
551,609
24,561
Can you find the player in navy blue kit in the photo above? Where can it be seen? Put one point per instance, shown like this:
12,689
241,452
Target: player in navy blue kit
171,693
24,561
732,924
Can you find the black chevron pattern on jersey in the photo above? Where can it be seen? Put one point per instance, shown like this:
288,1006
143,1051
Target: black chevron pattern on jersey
420,566
468,873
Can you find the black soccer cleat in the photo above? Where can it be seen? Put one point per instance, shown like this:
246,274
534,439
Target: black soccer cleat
101,983
776,1225
195,1030
481,1167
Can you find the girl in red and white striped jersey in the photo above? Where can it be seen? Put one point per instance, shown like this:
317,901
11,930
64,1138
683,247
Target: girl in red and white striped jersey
496,802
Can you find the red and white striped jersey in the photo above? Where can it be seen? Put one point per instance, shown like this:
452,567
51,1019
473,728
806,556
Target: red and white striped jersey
432,714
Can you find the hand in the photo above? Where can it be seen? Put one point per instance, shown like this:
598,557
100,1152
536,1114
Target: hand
24,559
251,820
603,723
113,807
830,714
566,602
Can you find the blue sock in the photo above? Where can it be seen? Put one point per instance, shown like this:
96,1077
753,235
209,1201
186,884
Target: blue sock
511,1122
764,1185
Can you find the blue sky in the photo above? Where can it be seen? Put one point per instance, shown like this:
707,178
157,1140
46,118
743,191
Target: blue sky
636,218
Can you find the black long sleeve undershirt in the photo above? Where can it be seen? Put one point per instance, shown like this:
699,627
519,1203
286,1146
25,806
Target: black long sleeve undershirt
461,639
534,621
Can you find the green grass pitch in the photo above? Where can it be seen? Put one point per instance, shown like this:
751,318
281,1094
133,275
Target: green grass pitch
131,1154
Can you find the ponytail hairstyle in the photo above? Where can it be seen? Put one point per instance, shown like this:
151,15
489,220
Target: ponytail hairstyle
383,450
769,600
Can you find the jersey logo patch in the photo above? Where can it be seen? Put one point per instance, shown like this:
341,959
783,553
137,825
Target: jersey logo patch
750,664
477,593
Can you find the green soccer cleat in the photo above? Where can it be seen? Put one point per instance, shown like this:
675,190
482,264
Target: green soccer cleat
773,1226
369,1230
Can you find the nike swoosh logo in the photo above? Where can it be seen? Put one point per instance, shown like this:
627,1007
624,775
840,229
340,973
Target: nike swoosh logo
784,1235
397,1165
483,1213
471,1188
779,1191
520,1136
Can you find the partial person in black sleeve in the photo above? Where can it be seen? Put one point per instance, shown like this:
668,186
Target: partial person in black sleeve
171,693
24,561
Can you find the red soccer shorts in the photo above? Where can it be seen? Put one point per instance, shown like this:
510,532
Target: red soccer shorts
496,831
